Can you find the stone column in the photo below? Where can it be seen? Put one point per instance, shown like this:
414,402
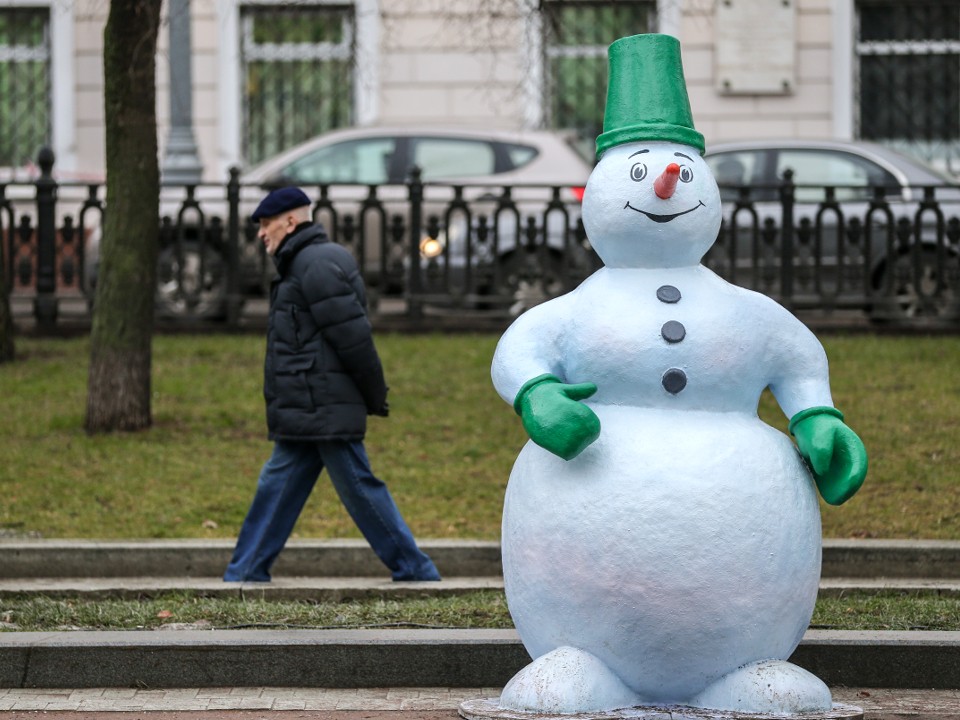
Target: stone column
181,163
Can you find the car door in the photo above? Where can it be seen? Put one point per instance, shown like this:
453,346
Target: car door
826,262
365,178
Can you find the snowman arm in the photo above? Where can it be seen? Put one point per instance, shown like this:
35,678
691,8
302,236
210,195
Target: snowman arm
532,346
800,375
529,373
835,454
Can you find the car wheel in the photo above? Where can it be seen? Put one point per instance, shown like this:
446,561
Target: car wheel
907,293
191,282
529,278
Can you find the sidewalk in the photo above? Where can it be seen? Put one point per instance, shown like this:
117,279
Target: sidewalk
371,703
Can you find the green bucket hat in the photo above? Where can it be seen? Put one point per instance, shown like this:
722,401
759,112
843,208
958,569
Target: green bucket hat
646,94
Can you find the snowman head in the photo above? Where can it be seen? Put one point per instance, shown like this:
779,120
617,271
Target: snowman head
651,204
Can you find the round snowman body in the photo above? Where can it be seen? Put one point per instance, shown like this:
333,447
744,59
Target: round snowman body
685,541
671,562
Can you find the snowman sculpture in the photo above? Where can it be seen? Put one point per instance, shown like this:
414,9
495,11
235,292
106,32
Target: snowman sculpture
661,544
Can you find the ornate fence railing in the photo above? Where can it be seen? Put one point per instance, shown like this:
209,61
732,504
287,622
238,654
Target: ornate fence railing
493,250
891,253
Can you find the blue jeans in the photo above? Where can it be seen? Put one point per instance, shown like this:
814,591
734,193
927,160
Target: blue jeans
284,486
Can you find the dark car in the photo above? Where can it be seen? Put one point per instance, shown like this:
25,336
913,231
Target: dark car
894,210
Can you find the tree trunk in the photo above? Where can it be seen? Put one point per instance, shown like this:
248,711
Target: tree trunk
118,396
6,319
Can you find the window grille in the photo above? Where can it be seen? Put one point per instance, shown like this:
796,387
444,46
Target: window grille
297,72
576,37
908,62
25,92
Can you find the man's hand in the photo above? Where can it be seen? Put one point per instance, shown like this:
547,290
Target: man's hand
554,417
835,454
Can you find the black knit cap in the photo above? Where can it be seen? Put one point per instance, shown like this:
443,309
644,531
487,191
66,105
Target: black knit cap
280,201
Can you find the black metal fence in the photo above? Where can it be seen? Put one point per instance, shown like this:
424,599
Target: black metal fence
491,250
891,253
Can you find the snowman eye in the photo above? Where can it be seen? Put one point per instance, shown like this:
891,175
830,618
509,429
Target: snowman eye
686,174
638,172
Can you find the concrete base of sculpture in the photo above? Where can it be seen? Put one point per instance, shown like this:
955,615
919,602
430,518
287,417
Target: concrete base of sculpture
489,709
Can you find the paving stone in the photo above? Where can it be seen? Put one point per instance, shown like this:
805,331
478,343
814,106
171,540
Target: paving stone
283,704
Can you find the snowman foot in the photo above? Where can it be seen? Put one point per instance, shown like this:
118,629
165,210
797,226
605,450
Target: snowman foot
567,680
769,686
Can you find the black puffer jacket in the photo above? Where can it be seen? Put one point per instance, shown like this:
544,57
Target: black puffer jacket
322,374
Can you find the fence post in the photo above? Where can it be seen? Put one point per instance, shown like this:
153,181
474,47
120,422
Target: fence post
414,287
45,303
787,199
6,280
234,301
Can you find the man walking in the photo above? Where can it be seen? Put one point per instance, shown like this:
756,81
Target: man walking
322,377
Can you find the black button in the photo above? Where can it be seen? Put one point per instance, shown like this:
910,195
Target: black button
668,294
674,380
673,331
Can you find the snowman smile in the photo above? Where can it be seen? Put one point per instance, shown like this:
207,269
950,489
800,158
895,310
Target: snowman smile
663,218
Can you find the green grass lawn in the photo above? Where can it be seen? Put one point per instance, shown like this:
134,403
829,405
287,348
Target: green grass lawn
482,609
446,450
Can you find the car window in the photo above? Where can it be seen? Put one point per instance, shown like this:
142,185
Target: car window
520,155
354,161
735,169
440,158
829,167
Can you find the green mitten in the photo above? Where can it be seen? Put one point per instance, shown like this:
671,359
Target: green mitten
835,454
554,417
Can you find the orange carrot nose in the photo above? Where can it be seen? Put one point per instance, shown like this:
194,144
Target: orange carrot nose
664,185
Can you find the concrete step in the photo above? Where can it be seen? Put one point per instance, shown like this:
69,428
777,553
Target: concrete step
208,558
284,588
19,558
402,658
339,589
838,587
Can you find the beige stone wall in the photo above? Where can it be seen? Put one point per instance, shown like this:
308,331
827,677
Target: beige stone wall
442,61
205,38
806,112
90,16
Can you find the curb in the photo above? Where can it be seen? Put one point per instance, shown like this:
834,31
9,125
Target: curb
402,658
930,559
891,558
309,589
208,558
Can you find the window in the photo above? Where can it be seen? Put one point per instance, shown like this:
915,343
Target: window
520,155
822,168
25,93
576,37
354,161
441,158
736,169
909,76
297,74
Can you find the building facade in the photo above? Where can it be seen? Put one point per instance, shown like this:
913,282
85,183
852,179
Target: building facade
264,74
